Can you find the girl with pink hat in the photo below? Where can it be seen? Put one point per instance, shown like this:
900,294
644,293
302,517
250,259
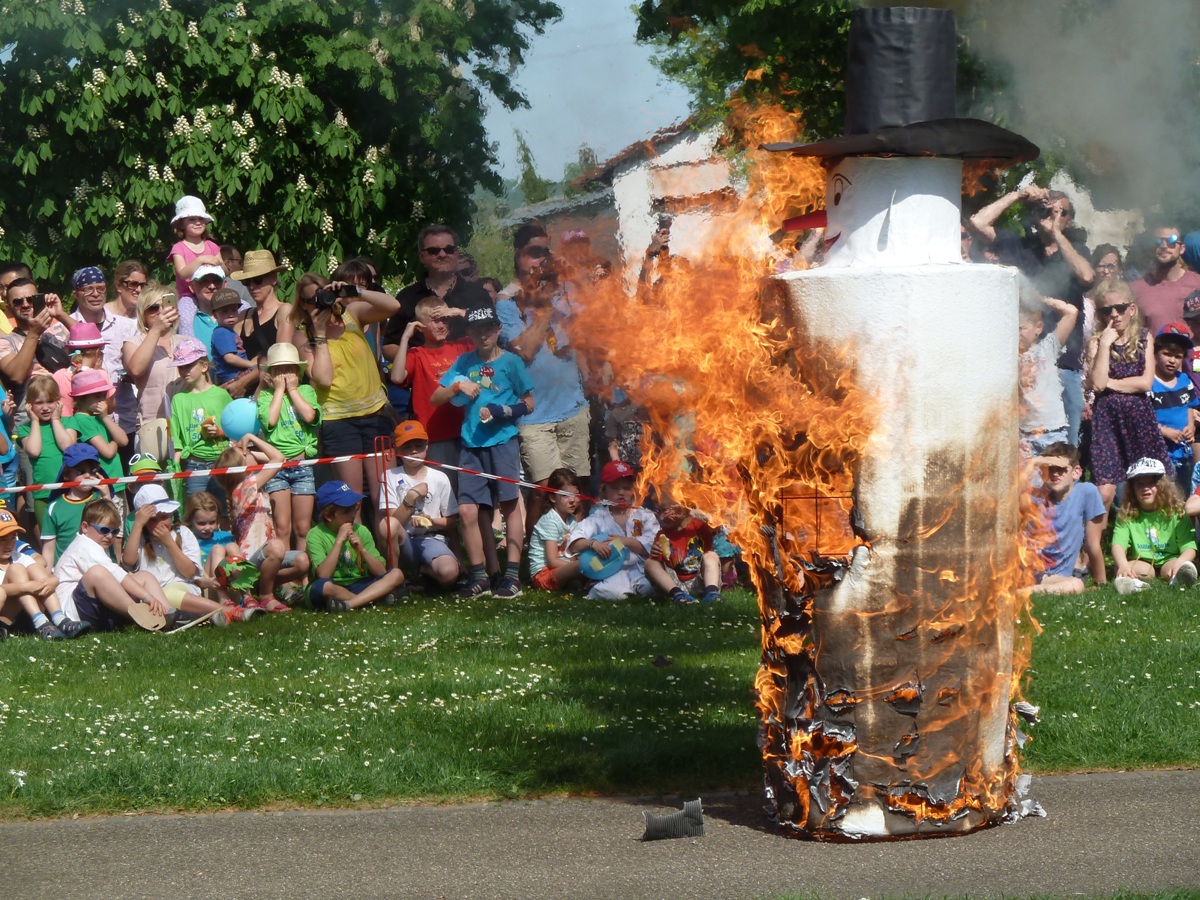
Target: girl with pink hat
86,348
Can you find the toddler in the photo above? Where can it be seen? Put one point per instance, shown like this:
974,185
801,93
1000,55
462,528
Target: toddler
551,566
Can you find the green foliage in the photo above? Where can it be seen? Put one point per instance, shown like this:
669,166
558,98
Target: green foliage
491,242
533,186
585,164
790,51
316,130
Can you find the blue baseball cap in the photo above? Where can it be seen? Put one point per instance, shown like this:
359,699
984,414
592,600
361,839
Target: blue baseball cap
337,493
76,455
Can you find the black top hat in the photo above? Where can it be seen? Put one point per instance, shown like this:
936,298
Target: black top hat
900,88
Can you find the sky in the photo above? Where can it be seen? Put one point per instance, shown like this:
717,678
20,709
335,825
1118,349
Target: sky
587,81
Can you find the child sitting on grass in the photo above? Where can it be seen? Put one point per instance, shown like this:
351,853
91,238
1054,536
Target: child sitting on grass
93,587
682,560
1078,516
253,525
202,515
551,567
635,528
1153,534
423,509
348,570
28,586
81,463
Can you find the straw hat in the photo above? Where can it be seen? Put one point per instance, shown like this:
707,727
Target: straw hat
255,264
284,355
188,206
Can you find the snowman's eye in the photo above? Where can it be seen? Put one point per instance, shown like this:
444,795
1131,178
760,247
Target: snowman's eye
840,185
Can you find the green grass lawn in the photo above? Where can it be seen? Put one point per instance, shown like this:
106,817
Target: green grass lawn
543,695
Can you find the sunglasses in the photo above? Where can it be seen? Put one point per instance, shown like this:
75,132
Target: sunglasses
103,530
1106,267
1115,310
440,251
255,282
95,290
131,285
152,308
1171,241
537,252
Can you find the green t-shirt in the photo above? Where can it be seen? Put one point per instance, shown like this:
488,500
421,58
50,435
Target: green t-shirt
291,436
189,409
350,567
48,463
62,521
1155,536
87,427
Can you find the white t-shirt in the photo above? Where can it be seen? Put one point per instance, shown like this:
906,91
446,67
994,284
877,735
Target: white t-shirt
438,503
162,568
82,554
1041,391
641,525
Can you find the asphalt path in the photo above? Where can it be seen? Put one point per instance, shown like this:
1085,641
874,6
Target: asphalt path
1103,833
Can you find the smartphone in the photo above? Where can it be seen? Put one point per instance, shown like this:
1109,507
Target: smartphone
39,303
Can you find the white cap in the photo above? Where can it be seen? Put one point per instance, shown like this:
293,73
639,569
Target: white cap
206,270
190,206
154,493
1146,466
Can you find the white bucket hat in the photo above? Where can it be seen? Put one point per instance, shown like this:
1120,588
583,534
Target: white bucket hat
188,206
1146,466
157,495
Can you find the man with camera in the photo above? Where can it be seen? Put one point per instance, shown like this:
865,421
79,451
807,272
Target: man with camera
1057,261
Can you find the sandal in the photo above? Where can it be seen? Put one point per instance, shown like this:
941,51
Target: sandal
273,605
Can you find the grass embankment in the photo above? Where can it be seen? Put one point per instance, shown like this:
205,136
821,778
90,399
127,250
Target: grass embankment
543,695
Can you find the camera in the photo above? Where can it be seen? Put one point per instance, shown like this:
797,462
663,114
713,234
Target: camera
325,299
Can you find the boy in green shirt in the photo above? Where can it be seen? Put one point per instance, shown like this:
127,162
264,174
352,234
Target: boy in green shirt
81,462
348,571
195,414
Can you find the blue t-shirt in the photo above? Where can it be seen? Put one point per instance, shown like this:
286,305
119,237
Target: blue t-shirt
225,340
1171,405
558,387
203,326
1069,519
504,380
206,545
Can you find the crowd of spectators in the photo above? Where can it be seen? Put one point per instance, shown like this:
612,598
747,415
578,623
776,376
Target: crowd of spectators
426,408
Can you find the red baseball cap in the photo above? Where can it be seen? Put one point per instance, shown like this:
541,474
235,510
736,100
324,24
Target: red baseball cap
615,470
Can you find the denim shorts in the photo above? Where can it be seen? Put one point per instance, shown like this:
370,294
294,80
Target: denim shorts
260,556
297,479
343,437
502,459
422,549
316,591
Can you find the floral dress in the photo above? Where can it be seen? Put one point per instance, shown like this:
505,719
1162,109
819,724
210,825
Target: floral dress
1124,427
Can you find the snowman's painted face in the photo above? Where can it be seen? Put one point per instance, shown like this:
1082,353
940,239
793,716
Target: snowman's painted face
892,211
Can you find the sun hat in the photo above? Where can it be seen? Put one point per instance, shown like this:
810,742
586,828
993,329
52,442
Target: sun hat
144,462
8,524
284,355
85,276
1177,332
204,271
188,206
255,264
85,336
188,351
615,470
410,430
91,381
154,494
1146,466
337,493
225,297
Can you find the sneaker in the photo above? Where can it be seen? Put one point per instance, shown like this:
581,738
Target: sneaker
290,594
337,606
397,594
711,596
469,589
72,629
49,632
1185,576
508,589
682,597
234,613
494,581
219,619
1129,585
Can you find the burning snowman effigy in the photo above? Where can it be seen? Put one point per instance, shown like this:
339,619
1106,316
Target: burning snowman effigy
886,682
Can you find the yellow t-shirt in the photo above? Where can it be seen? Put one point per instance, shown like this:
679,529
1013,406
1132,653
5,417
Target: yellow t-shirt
357,389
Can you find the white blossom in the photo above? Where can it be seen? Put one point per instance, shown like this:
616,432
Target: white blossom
164,5
469,10
414,31
167,175
281,127
340,119
160,80
130,59
357,17
238,129
368,177
418,210
262,222
120,208
240,10
231,109
193,30
372,236
135,17
334,262
152,172
253,147
36,78
285,262
255,50
120,28
81,190
301,183
245,162
372,154
247,120
98,76
80,9
327,223
106,180
182,126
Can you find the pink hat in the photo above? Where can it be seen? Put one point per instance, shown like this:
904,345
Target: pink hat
188,351
91,381
85,336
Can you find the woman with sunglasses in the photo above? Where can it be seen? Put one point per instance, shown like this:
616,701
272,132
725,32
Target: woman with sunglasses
130,278
1120,369
261,326
148,356
328,331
